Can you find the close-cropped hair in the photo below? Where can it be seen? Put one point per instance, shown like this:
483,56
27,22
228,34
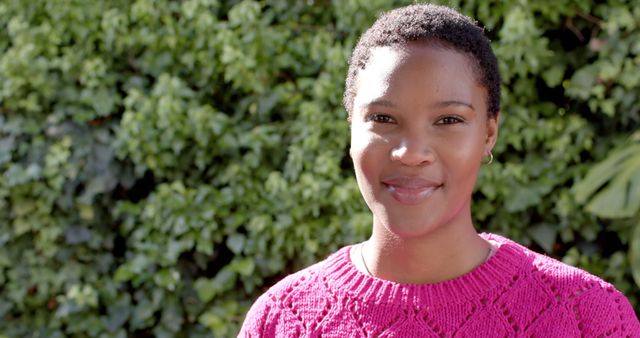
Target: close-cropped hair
442,26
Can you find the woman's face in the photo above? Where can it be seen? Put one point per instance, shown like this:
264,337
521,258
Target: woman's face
419,130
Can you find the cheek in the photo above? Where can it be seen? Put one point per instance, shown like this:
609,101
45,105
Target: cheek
368,154
462,158
468,142
468,152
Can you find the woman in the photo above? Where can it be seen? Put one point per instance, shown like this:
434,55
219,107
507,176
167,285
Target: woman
423,96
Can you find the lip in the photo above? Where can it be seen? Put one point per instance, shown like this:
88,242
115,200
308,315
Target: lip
410,190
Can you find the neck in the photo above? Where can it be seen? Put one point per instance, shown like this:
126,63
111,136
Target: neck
443,254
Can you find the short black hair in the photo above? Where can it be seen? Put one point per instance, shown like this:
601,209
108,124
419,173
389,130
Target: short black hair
432,23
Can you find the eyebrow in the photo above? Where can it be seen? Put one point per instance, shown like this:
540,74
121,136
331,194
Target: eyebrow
445,104
441,104
381,102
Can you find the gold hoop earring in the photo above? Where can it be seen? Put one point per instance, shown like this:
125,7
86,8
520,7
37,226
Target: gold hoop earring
487,162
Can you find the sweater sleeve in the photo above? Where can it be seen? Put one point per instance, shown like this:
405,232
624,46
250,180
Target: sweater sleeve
256,319
605,312
629,320
267,319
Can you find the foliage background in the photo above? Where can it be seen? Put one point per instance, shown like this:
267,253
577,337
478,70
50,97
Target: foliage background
163,162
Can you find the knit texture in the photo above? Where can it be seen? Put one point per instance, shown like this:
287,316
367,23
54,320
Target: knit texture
516,293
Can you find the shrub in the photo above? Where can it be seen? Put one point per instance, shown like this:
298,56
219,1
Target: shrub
164,162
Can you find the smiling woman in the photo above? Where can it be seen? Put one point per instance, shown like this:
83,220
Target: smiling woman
417,157
423,100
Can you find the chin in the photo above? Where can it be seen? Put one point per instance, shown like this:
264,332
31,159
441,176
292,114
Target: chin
407,228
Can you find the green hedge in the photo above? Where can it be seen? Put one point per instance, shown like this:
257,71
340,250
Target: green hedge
163,162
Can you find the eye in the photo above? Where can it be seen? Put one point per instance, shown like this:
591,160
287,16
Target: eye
450,120
380,118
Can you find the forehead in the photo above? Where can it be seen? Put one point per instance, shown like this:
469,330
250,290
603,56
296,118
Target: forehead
417,68
383,61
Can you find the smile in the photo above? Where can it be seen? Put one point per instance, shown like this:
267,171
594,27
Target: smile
410,190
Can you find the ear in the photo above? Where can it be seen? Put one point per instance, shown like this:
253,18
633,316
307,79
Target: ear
492,132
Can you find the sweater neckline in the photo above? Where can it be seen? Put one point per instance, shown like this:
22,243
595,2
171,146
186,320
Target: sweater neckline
342,277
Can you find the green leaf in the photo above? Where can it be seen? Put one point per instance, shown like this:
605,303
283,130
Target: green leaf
206,289
119,313
621,196
123,273
634,253
243,266
554,75
545,235
167,278
602,173
235,242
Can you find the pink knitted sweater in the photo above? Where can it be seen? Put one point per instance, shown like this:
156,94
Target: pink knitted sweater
516,293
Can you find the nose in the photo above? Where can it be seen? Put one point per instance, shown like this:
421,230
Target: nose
413,151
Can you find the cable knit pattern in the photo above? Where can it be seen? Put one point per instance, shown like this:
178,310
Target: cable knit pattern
516,293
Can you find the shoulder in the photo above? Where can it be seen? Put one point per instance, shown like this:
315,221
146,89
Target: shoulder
278,308
595,306
548,270
599,308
